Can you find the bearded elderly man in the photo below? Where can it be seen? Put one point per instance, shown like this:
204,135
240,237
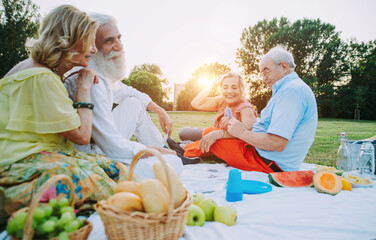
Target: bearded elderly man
112,129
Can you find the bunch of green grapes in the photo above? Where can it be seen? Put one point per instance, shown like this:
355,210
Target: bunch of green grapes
56,219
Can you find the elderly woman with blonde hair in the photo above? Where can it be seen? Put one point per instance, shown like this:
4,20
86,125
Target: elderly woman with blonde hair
232,97
39,122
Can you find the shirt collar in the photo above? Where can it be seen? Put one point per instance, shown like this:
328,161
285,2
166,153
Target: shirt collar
289,77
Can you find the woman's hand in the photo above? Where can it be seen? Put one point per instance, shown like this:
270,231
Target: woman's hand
208,140
235,128
86,78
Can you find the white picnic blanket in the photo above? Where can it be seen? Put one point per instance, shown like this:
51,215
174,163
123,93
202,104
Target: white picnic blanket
283,213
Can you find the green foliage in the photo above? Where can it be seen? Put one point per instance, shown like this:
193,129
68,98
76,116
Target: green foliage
359,92
192,86
151,68
318,51
254,42
19,20
148,78
147,83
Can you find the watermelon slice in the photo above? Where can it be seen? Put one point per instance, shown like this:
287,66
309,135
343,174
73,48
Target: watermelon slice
292,179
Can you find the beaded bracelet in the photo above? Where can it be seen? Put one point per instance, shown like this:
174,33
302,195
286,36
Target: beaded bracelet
83,105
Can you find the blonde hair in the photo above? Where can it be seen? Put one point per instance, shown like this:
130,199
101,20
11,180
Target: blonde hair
60,32
241,81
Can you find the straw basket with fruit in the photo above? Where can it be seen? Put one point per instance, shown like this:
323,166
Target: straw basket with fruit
55,220
157,208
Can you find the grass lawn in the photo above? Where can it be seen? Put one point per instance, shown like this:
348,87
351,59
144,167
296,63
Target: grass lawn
323,150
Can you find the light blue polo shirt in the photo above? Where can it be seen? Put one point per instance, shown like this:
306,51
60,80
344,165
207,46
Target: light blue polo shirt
292,114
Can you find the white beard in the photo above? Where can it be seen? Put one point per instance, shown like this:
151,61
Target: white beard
113,70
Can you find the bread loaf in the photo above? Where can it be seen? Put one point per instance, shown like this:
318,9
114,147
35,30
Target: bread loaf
177,185
154,195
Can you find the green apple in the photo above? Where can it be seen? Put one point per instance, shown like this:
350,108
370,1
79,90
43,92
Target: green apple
39,214
196,216
67,209
72,226
48,210
63,236
208,205
225,214
49,226
52,202
197,198
65,218
63,202
11,227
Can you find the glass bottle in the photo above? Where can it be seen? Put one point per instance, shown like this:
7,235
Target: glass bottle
366,159
343,154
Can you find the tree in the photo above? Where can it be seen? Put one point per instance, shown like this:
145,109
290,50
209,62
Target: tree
318,51
254,46
19,20
193,87
151,68
147,83
148,78
359,92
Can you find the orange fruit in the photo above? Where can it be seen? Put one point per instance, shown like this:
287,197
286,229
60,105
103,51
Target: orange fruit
346,185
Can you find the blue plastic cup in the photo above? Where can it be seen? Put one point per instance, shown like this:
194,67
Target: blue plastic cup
234,191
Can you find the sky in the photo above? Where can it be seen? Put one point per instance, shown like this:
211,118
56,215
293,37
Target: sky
182,35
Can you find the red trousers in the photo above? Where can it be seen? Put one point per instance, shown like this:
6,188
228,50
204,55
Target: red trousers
235,152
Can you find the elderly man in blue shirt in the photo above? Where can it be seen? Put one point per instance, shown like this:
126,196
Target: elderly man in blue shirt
287,127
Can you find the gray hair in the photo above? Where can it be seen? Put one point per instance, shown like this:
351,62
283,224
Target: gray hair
280,54
103,18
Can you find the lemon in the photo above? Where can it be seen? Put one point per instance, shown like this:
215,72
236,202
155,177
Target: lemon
346,185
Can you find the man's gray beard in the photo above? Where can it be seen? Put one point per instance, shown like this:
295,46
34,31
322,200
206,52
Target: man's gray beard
113,70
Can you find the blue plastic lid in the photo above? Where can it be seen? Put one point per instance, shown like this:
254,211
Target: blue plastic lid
255,187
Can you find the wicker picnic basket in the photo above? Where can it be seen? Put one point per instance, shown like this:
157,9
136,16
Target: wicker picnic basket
80,234
120,224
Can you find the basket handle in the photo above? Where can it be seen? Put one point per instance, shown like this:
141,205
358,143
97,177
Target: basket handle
28,231
169,178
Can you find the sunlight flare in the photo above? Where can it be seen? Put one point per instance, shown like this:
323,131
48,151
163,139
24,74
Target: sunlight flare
206,81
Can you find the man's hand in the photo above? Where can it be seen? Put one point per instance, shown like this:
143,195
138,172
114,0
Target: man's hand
208,140
235,128
223,123
164,119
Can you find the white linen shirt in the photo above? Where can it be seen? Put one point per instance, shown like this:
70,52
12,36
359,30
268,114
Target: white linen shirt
104,131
